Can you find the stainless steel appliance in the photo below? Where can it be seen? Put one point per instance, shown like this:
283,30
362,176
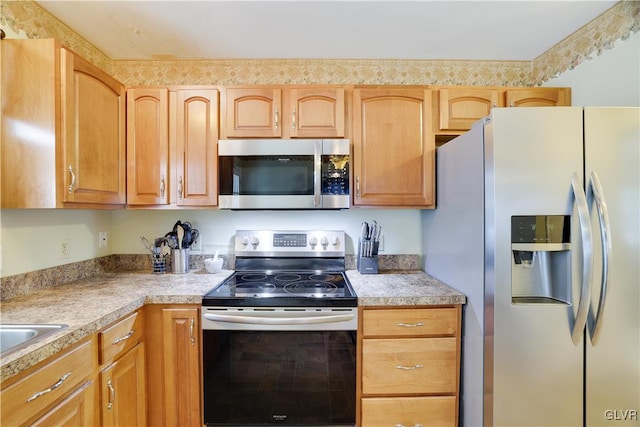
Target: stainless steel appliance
284,174
538,223
279,335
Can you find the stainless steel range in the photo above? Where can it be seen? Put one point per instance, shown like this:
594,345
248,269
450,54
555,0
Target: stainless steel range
279,334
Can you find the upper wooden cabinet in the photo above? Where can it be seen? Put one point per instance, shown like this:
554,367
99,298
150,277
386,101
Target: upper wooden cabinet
457,108
537,97
63,129
460,107
172,146
147,146
278,112
393,148
196,146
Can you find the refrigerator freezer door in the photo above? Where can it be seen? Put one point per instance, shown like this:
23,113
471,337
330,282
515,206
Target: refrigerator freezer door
533,370
612,151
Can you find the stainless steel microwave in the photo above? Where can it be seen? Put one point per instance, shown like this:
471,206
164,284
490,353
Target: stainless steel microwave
283,174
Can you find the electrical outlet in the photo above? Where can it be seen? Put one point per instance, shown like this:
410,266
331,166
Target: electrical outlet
196,245
103,241
381,244
64,248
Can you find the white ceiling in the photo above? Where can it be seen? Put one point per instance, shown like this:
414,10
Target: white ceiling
327,29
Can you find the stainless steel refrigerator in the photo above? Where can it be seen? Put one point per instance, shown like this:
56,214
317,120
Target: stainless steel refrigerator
537,222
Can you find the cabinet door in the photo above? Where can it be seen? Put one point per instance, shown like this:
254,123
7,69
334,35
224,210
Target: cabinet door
181,337
316,113
251,113
93,116
393,148
196,147
538,97
461,107
123,398
76,410
147,146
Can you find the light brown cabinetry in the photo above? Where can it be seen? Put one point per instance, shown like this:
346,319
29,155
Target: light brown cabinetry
122,377
63,129
537,97
456,108
409,366
283,112
147,146
174,366
172,146
393,148
59,391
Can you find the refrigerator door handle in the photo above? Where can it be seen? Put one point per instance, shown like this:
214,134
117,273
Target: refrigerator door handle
587,264
595,322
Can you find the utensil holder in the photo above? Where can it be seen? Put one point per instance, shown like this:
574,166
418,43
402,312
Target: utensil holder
367,264
159,263
179,261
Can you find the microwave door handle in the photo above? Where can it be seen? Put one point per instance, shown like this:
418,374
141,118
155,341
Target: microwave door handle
317,175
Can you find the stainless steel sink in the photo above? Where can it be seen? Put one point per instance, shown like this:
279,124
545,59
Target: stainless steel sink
13,337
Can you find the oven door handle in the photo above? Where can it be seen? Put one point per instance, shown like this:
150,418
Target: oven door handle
260,320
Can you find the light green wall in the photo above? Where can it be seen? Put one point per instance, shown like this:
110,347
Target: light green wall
31,237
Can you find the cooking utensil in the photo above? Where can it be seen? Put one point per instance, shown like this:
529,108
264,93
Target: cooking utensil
180,235
148,245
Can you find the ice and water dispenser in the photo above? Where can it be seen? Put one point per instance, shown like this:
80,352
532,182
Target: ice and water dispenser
541,259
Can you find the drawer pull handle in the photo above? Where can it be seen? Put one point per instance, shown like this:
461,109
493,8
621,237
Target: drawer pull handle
192,324
124,338
415,425
410,325
112,394
410,368
50,389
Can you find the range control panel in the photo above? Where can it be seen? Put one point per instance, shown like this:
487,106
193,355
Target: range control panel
290,243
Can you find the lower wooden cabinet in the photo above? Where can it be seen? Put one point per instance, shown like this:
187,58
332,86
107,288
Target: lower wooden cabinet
431,411
409,366
122,383
59,391
121,354
173,365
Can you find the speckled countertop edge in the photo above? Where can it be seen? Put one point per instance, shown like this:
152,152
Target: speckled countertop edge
89,305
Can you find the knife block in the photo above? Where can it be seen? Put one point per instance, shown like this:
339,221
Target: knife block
367,264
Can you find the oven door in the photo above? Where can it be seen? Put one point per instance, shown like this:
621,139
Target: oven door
300,377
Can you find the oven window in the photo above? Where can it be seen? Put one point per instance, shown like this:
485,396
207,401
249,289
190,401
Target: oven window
279,378
266,175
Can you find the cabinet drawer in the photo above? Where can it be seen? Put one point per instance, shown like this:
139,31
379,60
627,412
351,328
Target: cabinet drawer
436,411
41,388
410,322
409,365
120,337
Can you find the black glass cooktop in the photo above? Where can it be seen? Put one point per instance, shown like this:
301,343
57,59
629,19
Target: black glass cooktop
291,288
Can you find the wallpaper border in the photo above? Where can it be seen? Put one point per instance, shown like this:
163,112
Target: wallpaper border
619,22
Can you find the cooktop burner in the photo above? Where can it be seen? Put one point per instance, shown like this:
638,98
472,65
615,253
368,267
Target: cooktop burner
288,289
286,269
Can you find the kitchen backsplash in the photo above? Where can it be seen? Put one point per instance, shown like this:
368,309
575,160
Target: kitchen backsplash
598,35
26,283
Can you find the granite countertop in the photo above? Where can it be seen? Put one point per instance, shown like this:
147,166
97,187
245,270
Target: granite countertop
89,305
402,288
